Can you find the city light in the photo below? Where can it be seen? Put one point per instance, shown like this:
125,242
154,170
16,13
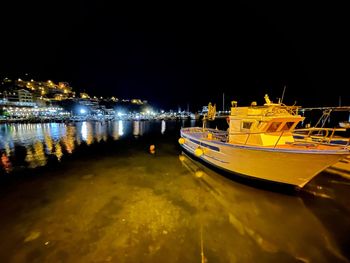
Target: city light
32,99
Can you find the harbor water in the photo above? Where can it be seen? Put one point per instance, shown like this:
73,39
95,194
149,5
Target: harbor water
124,191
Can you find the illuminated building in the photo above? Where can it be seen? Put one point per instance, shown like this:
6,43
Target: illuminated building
24,95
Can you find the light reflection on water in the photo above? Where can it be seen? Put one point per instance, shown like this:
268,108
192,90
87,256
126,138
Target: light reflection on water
136,130
120,131
41,141
163,126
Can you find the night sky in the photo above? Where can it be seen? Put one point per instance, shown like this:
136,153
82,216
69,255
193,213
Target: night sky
179,54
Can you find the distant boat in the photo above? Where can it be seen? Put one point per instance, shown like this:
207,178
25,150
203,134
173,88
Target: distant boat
194,116
259,144
344,124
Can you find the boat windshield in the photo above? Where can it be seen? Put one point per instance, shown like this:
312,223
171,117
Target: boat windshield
287,126
274,126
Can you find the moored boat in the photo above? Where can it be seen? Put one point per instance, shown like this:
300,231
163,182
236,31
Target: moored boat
259,143
344,124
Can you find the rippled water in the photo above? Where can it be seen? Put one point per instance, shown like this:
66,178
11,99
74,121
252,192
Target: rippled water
32,145
93,192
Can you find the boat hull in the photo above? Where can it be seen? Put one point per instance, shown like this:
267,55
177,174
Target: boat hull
292,168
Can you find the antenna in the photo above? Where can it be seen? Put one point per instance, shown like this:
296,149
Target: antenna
284,89
223,101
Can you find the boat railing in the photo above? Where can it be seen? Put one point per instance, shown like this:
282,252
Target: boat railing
301,142
209,133
325,135
214,134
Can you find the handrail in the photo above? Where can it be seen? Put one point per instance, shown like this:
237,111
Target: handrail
319,129
327,138
247,139
331,137
278,139
261,132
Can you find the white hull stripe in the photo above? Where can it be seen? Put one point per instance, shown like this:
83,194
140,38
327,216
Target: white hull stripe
203,144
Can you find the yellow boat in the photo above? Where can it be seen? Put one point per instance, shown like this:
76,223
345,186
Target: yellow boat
259,143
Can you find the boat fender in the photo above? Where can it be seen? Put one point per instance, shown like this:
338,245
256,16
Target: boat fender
152,149
182,140
198,152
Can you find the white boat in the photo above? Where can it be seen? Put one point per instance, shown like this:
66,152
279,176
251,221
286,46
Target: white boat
344,124
259,143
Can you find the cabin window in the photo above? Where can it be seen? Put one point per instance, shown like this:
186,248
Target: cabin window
273,126
247,125
287,126
261,123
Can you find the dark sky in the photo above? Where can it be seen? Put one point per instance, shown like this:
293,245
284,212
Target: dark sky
179,54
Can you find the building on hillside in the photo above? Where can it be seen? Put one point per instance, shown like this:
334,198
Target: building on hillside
24,95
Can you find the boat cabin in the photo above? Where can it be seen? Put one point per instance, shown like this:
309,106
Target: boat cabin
271,124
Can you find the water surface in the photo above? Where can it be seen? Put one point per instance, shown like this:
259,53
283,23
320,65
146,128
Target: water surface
93,192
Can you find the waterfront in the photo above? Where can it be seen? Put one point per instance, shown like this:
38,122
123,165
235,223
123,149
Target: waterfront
92,192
